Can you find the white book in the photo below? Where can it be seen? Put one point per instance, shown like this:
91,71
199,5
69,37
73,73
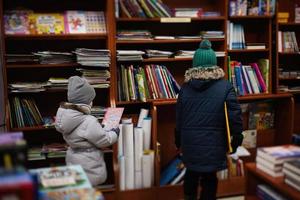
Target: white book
268,171
268,164
252,79
246,79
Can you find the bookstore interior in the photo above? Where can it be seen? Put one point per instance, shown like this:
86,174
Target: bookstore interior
134,55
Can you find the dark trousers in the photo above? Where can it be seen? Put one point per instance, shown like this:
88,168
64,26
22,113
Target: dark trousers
208,183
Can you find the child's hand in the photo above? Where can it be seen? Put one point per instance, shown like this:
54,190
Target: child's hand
116,130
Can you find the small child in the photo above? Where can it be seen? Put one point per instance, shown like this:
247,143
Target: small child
200,123
82,131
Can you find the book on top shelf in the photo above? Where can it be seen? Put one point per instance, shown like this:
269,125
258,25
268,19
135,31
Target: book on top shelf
46,23
16,21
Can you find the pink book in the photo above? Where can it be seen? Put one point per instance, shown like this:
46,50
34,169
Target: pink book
259,77
112,118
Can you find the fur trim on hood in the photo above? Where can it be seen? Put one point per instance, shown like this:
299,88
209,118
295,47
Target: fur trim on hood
83,108
208,73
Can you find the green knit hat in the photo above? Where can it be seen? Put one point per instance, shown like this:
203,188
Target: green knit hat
205,56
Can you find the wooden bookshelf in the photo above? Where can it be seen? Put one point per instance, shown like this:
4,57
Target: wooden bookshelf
159,19
154,41
58,37
34,65
256,176
251,17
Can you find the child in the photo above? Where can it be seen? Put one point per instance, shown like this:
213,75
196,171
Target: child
200,123
82,131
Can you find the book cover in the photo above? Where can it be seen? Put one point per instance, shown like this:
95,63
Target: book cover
112,118
47,23
95,22
171,171
61,178
75,22
261,116
259,77
249,140
16,22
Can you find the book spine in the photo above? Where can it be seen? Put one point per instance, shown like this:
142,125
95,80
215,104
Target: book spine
259,77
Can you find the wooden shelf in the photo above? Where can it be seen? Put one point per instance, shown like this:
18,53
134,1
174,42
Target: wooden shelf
264,96
289,79
288,53
276,183
35,128
153,101
86,36
167,41
36,65
151,60
158,19
249,17
247,50
289,24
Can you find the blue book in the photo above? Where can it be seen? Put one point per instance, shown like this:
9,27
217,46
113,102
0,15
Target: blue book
239,80
171,171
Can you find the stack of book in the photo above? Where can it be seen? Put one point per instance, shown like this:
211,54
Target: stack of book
57,83
212,34
96,78
34,153
188,12
54,150
27,87
266,192
271,159
134,35
150,53
51,57
93,57
130,55
291,171
21,58
184,54
255,45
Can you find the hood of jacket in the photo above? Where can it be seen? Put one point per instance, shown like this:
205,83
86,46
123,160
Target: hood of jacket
201,78
69,116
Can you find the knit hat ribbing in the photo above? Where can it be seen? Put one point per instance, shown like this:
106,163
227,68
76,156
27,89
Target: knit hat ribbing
204,55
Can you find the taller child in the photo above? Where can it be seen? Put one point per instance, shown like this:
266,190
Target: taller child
200,123
82,131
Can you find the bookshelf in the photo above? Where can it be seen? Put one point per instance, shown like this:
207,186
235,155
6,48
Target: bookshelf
48,101
162,110
287,61
256,176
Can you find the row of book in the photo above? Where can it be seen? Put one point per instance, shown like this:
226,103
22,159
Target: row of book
69,22
250,79
24,112
144,9
147,35
251,7
291,171
272,159
289,74
54,150
138,55
148,82
287,42
264,191
83,56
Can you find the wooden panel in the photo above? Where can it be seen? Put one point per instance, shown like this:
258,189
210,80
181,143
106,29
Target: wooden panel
144,194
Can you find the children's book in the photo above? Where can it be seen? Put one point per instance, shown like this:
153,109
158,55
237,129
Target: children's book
75,21
112,118
46,23
95,22
61,178
16,22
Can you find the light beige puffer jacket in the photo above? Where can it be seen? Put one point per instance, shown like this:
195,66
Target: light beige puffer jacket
85,136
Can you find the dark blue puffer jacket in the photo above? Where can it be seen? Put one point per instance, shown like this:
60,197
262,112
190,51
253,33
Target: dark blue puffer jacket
201,126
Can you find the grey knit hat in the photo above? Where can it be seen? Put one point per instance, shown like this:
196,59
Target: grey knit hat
80,91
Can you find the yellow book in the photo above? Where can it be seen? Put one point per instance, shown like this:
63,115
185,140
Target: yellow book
227,129
46,23
283,15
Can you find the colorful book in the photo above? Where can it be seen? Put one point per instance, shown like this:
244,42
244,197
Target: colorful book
47,23
16,21
171,171
75,21
112,118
